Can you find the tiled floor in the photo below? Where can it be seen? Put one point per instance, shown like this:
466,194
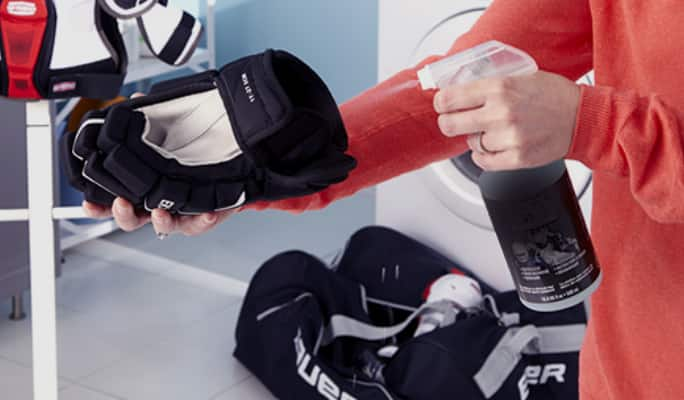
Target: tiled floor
257,236
144,319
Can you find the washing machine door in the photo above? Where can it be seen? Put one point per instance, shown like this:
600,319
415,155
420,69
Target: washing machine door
453,181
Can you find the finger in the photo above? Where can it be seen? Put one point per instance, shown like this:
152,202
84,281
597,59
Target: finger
501,161
467,96
457,98
126,217
93,210
464,122
488,142
197,224
164,223
137,94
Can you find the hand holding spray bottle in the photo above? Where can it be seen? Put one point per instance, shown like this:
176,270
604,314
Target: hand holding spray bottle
535,212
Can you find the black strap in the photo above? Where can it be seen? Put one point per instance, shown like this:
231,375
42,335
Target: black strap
71,165
258,102
174,48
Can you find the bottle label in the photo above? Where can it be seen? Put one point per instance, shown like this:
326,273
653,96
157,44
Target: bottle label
546,243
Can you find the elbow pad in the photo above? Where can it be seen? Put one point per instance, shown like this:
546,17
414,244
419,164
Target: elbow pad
264,127
38,39
37,57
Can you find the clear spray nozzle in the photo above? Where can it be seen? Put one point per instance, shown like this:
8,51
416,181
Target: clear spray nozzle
489,59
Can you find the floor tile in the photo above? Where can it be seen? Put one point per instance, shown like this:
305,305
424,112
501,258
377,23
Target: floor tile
214,332
194,363
249,389
146,261
15,381
89,282
134,328
240,245
168,373
75,392
218,332
176,374
79,351
132,309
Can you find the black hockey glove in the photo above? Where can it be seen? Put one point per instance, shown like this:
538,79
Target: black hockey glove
264,127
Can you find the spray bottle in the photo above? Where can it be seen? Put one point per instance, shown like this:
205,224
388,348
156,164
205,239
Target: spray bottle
535,212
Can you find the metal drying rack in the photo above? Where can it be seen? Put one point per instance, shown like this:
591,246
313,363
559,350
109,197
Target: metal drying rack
41,213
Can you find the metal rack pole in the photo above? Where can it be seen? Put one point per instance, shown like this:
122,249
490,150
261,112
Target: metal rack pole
211,33
42,249
41,217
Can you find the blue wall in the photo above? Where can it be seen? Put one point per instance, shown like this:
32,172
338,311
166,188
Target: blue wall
337,38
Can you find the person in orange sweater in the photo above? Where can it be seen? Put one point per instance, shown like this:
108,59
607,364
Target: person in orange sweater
627,129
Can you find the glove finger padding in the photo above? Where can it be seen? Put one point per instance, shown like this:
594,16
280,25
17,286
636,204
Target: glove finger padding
262,128
75,151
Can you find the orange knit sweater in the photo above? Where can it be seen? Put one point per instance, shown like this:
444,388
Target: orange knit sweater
628,131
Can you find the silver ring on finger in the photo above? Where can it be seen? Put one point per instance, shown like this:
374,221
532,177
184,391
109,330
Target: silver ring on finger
480,144
474,142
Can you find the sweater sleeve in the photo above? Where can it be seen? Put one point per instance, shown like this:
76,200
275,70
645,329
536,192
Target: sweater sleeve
393,127
636,137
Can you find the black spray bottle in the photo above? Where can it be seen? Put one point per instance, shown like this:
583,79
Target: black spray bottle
535,212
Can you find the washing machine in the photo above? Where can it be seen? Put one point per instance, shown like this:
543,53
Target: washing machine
441,204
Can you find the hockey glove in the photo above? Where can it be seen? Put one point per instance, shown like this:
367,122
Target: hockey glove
264,127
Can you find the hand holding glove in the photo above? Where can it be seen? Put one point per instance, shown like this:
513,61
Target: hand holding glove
262,128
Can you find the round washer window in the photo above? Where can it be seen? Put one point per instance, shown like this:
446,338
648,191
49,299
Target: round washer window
453,181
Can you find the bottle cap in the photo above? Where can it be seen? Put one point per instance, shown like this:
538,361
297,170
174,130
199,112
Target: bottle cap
427,82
